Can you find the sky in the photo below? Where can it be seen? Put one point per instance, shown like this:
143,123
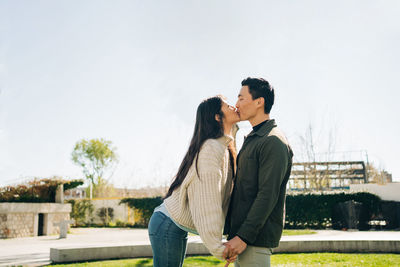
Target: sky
134,72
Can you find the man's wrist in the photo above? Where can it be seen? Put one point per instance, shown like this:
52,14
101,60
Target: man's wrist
243,239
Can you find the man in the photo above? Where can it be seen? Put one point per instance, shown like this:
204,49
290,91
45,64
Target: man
254,222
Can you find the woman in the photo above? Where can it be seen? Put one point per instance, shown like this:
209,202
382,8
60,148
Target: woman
198,198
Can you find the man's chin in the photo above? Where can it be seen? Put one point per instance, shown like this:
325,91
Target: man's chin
242,119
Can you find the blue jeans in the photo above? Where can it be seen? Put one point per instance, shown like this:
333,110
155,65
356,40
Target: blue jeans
168,241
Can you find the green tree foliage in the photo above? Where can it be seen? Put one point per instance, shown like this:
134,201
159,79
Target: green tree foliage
143,208
82,211
37,190
95,156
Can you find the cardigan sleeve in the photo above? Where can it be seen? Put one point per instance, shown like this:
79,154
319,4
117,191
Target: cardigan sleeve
204,195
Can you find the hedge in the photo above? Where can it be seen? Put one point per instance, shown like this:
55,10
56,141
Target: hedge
315,211
143,208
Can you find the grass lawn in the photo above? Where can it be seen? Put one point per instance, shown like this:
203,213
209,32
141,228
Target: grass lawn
289,232
282,260
298,232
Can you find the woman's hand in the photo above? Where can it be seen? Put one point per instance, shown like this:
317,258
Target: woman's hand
230,260
228,255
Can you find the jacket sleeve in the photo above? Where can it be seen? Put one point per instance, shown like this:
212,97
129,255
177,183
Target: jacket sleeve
273,161
204,194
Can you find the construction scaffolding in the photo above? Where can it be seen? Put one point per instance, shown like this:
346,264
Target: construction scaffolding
323,176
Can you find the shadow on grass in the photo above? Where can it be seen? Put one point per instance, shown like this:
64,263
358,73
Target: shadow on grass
144,263
199,259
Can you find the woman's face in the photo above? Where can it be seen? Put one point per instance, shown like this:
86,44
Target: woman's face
230,114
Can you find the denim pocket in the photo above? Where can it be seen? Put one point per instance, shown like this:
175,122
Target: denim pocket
175,232
156,220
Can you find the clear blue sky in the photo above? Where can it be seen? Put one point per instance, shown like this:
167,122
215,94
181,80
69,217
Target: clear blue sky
133,72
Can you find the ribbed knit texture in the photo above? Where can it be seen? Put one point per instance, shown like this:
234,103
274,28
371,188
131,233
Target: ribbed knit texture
201,201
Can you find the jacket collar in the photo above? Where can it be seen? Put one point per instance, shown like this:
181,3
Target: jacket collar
265,129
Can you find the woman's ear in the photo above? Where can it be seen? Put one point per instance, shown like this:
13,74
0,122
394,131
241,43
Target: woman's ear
217,117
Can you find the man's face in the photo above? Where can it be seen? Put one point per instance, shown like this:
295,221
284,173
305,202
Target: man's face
246,106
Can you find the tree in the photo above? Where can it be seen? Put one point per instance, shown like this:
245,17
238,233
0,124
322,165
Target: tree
378,175
311,151
95,156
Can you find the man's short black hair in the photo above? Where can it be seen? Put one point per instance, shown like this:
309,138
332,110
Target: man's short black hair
258,87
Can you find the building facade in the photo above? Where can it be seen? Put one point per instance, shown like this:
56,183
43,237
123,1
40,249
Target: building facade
31,219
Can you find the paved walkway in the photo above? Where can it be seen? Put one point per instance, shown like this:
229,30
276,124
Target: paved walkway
35,251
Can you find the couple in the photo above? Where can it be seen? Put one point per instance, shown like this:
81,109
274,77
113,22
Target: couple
215,191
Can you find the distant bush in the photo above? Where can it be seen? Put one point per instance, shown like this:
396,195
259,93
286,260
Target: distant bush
72,184
106,215
315,211
143,208
38,190
303,211
82,211
119,223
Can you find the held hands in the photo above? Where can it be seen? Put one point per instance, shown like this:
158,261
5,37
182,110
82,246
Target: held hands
233,247
229,259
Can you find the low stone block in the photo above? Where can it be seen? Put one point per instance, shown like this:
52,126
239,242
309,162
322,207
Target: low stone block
63,227
113,252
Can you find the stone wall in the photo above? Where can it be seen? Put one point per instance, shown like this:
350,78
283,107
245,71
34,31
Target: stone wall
121,212
55,218
16,225
389,191
22,219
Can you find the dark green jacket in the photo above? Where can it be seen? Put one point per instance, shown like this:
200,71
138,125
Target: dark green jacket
263,169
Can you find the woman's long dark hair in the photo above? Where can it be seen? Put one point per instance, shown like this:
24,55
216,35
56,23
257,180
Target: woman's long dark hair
206,127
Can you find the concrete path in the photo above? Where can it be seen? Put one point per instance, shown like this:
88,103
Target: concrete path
35,251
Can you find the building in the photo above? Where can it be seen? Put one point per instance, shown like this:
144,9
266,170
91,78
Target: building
322,176
33,219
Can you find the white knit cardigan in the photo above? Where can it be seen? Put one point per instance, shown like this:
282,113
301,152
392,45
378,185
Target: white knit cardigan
201,201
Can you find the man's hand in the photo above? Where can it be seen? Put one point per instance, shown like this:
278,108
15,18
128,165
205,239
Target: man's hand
228,256
235,246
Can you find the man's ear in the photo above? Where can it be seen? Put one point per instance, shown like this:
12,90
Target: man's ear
217,117
260,101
